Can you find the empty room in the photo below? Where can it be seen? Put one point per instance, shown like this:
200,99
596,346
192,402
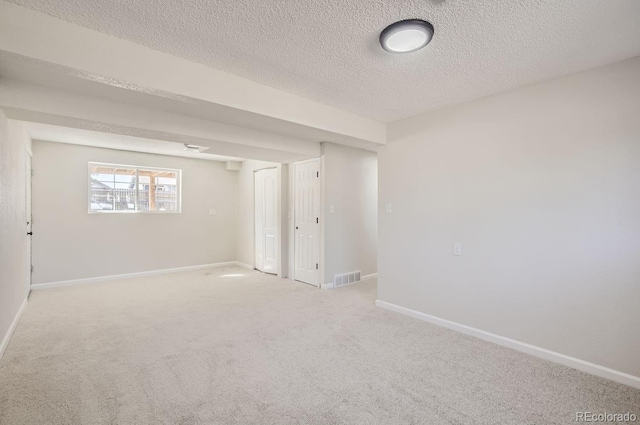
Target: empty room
319,212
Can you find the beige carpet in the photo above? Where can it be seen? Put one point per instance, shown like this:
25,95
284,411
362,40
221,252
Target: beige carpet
230,346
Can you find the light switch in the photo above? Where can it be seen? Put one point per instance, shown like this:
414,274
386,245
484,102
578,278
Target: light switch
457,249
332,209
212,211
388,208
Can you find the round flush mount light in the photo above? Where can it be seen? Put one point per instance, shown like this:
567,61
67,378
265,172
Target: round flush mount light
406,36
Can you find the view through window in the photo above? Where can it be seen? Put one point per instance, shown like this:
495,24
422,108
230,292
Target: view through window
123,188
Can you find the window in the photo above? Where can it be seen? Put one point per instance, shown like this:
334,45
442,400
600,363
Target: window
123,188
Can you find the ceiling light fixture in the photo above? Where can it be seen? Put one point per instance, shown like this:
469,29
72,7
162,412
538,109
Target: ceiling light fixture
189,147
406,36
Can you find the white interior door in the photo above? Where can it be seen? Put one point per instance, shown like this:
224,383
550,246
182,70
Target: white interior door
306,222
266,219
29,220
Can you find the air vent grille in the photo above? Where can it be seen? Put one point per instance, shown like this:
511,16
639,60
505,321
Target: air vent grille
346,278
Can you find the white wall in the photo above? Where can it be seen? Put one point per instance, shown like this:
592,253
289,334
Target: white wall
14,142
541,186
69,243
245,230
350,184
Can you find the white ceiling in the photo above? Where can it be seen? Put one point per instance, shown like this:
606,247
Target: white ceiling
74,136
327,50
16,67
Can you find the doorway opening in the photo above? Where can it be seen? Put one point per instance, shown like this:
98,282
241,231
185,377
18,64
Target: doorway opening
266,220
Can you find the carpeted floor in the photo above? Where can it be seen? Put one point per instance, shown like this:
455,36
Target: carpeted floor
231,346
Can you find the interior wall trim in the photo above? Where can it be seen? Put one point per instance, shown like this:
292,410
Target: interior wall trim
12,328
135,275
582,365
244,265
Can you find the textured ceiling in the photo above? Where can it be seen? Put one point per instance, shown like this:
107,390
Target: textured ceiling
327,50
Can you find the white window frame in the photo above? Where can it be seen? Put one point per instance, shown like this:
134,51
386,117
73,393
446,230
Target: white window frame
137,168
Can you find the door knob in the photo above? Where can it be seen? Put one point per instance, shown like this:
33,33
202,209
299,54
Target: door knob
29,233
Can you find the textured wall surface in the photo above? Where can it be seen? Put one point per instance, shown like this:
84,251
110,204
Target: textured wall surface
328,50
69,243
350,232
14,142
541,186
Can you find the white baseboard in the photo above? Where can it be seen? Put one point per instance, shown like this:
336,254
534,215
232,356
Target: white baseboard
12,327
584,366
326,286
133,275
244,265
368,276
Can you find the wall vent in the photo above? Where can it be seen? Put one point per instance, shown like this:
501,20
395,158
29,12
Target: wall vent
346,278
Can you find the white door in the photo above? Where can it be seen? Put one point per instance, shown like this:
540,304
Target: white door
307,222
266,219
29,220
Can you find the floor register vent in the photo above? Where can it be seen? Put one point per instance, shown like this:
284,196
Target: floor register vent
346,278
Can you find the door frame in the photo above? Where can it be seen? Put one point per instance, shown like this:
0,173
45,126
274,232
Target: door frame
278,221
29,220
292,224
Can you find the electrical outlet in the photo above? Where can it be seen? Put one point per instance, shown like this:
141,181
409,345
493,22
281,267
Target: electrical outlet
212,211
388,208
457,249
332,209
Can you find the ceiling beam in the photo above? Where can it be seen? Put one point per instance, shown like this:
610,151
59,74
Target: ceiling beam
89,55
32,103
